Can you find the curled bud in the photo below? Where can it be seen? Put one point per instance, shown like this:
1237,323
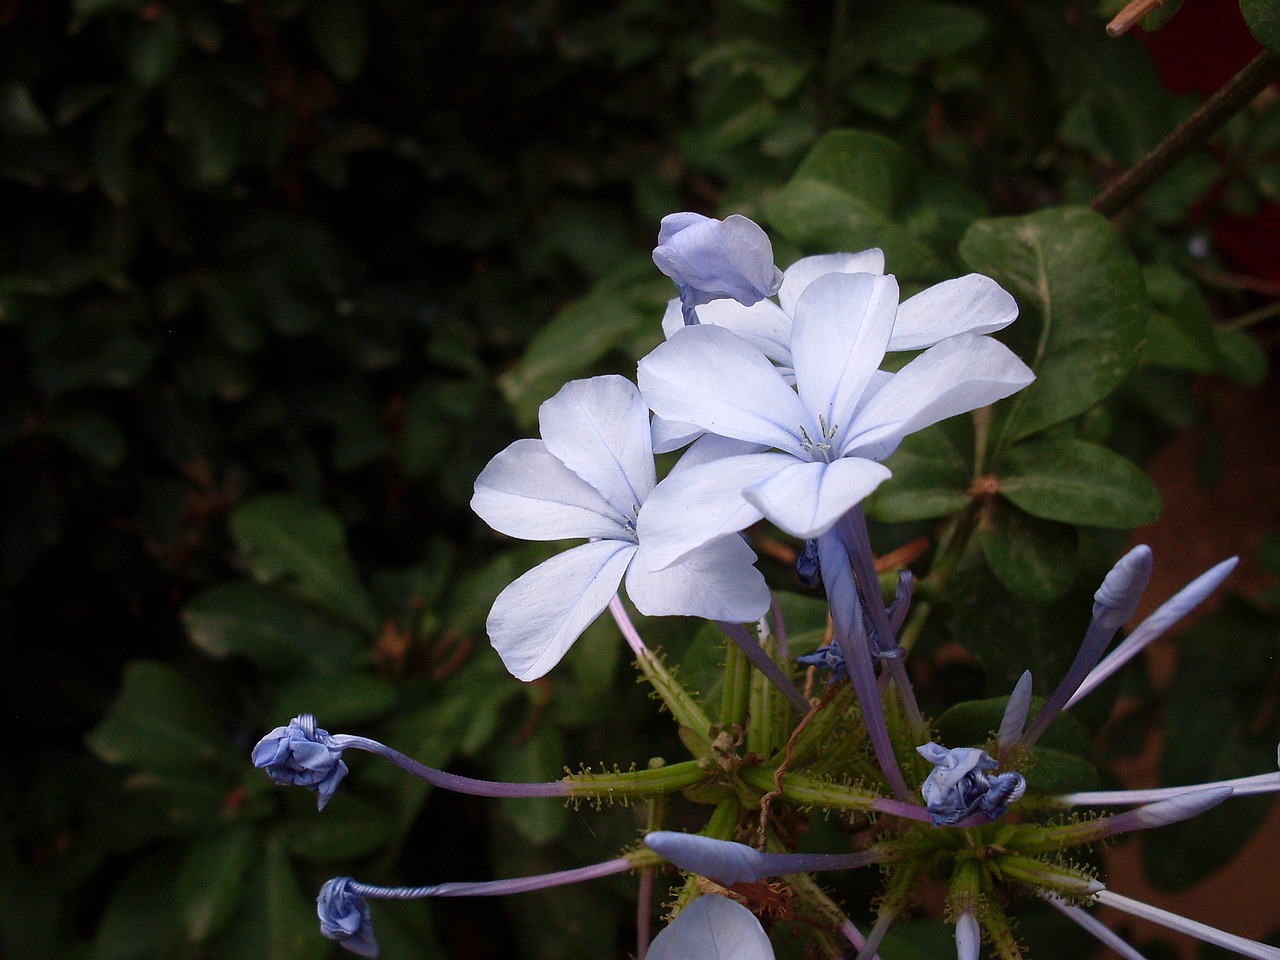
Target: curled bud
344,917
716,259
302,755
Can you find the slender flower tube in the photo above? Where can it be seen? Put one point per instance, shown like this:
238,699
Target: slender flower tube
1161,813
302,754
1240,787
345,917
716,259
1113,604
1093,925
1015,714
1168,614
727,862
1201,931
968,936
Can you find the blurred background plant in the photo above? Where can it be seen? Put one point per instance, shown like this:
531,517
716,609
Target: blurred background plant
277,277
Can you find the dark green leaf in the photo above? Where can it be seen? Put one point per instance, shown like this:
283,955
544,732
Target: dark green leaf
160,722
274,630
91,434
340,32
154,46
141,920
910,31
539,758
278,921
976,722
213,877
1263,18
1034,558
851,192
349,829
1077,482
1084,310
303,546
338,699
1055,771
930,479
1243,360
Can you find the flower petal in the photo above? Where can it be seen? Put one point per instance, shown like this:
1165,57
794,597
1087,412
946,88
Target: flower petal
599,429
970,304
695,506
808,269
525,492
806,499
536,619
712,928
718,581
960,374
763,324
717,258
712,378
842,324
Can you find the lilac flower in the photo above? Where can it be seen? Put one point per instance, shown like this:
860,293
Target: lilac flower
818,446
715,259
344,917
301,754
962,785
727,862
589,477
712,928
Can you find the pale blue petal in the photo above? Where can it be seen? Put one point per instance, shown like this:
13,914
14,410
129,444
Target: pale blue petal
1015,713
710,447
1122,588
536,619
673,223
960,374
968,937
599,429
712,928
713,258
842,324
717,582
525,492
723,861
762,324
669,435
703,503
806,499
970,304
712,378
803,272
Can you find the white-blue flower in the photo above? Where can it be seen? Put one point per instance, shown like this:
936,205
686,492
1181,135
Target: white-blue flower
589,476
803,457
711,259
712,928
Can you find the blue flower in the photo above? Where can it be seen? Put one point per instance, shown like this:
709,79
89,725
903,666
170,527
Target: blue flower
344,917
962,784
716,259
712,928
589,476
302,755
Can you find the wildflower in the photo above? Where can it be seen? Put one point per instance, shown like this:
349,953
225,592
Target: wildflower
344,917
589,476
821,442
716,259
727,862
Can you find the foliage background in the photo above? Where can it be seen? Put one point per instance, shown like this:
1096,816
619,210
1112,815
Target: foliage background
277,277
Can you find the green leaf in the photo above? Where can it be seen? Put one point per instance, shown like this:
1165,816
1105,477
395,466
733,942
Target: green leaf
213,878
1056,771
1034,558
93,435
1263,18
976,722
541,757
348,830
908,32
930,479
159,722
141,920
275,631
1084,310
581,334
154,46
303,546
1243,360
853,191
338,699
340,32
1077,482
278,921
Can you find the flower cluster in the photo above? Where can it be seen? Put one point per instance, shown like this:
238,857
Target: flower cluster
784,414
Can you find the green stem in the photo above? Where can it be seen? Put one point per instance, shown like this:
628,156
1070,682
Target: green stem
806,791
736,693
627,785
1255,77
677,699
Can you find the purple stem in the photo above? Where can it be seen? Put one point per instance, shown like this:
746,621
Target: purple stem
779,629
781,864
851,635
451,781
628,629
495,888
764,663
644,912
1091,649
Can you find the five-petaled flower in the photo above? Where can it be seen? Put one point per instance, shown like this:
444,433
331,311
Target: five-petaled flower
589,476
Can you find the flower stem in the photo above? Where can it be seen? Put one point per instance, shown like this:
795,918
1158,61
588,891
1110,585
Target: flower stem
452,781
635,784
1192,132
764,663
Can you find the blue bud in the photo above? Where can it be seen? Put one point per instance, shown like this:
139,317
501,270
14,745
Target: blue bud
715,260
344,917
962,784
302,755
